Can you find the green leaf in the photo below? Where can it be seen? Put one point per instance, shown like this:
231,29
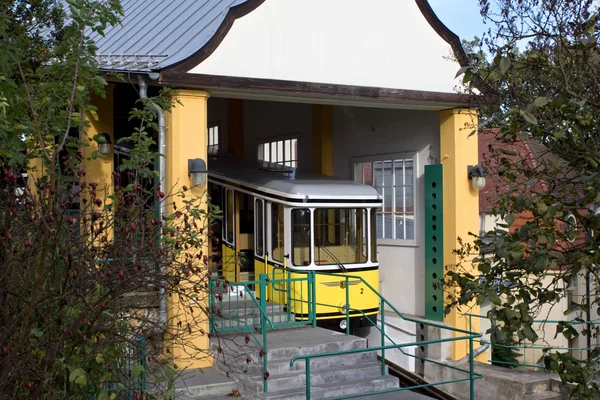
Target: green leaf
517,255
137,370
559,133
103,395
493,296
100,358
541,101
93,114
530,334
510,218
37,332
530,118
504,64
76,374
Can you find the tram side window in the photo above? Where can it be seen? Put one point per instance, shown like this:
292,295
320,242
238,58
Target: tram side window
301,236
277,232
229,216
260,227
340,236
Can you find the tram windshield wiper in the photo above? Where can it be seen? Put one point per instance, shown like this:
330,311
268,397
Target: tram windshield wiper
335,259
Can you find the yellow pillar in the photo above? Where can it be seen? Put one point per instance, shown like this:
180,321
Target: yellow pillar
458,150
186,139
99,169
322,139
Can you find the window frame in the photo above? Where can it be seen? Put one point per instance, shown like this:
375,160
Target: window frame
229,212
213,149
294,162
410,155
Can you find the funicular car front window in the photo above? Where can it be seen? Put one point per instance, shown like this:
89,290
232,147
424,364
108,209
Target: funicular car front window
340,236
301,236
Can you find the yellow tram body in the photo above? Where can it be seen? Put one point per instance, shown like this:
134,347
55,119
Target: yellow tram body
286,223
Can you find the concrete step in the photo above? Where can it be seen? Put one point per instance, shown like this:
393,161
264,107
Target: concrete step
285,344
297,379
544,396
334,390
277,367
539,384
208,383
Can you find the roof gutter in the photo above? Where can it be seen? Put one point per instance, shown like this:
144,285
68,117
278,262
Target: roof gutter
162,149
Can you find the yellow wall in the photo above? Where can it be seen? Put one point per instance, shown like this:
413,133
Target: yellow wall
322,118
458,150
186,139
100,169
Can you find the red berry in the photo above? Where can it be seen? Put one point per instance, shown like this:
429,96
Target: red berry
29,385
262,352
27,243
138,396
5,351
121,275
248,360
266,375
247,338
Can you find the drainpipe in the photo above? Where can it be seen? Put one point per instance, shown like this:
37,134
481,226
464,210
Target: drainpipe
162,149
477,352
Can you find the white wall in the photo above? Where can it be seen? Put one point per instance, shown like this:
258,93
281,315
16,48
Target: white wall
380,43
367,132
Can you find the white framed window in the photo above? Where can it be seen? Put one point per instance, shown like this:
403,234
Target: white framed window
394,178
213,139
282,151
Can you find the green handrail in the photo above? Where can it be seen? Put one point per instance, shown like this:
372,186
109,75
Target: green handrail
308,357
470,335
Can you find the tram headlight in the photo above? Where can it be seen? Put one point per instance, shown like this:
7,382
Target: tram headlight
343,324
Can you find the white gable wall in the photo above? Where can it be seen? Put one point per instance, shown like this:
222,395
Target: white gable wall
379,43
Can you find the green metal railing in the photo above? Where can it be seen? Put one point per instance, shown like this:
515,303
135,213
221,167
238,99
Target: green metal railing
244,312
522,348
383,302
279,285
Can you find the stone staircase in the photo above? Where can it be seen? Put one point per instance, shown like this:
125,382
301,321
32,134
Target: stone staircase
331,377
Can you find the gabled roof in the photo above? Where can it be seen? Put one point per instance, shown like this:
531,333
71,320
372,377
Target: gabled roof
155,34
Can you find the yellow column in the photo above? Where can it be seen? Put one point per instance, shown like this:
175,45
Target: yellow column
186,139
322,139
100,169
458,150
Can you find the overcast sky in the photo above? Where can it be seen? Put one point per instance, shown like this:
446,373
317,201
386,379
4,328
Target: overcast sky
460,16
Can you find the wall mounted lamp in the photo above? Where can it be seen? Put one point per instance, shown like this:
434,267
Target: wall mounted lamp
104,143
476,176
197,171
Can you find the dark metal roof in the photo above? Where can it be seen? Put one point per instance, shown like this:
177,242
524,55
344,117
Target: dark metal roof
155,34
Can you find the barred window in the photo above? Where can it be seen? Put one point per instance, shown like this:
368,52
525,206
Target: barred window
394,179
